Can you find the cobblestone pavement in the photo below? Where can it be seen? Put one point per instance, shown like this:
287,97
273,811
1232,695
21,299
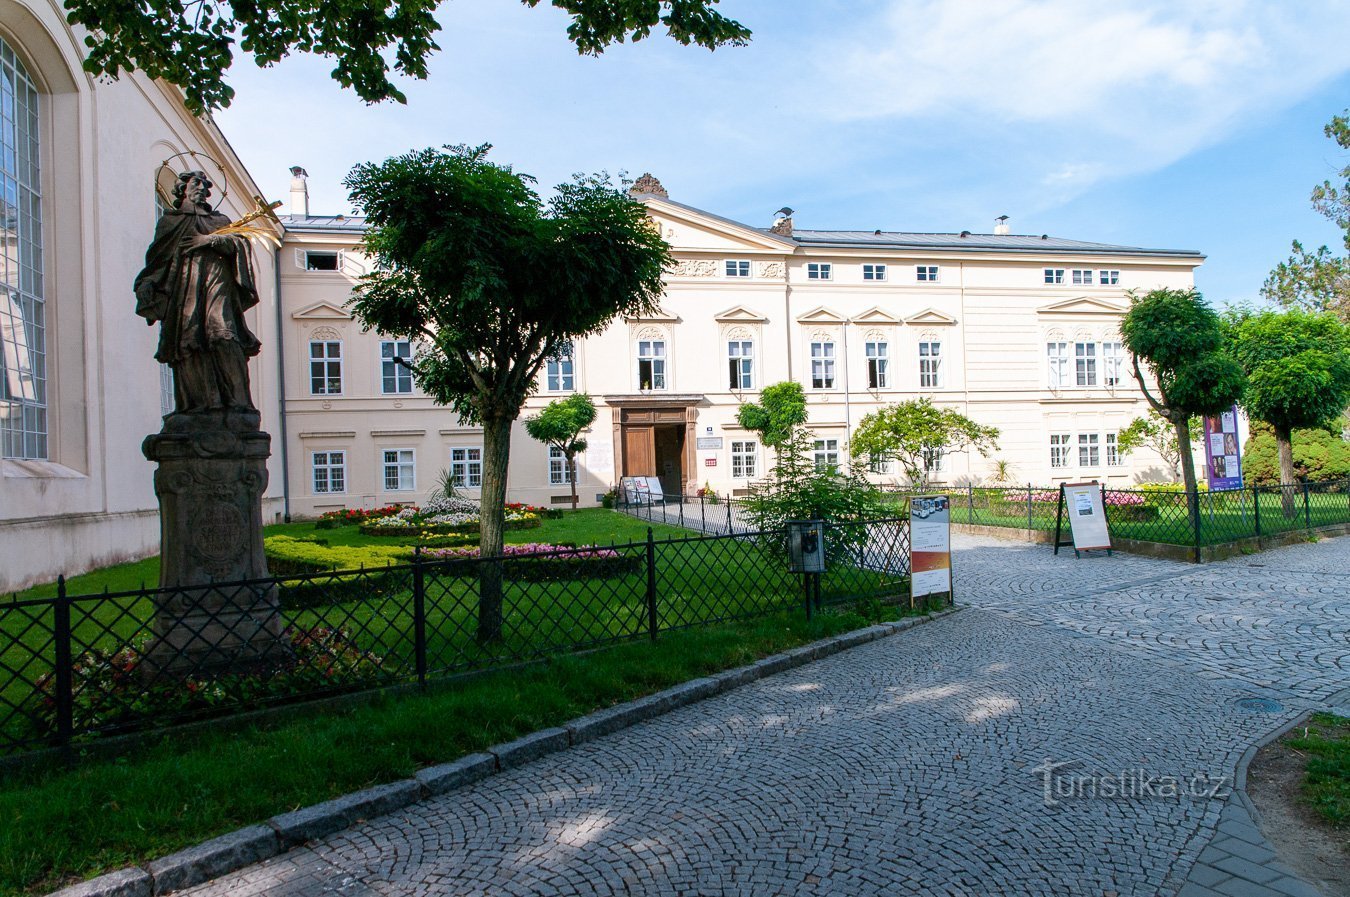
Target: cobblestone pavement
917,763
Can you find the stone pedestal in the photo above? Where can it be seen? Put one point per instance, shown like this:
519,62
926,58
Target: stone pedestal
210,480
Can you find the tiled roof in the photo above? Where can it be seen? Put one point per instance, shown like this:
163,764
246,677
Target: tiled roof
337,223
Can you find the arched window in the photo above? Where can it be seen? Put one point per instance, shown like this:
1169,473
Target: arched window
23,337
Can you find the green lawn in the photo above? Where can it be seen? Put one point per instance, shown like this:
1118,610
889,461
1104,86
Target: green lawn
58,825
1326,779
698,581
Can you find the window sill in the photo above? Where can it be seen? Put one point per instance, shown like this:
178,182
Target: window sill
38,470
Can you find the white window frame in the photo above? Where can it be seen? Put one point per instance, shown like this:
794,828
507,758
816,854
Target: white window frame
1059,451
819,271
302,260
328,463
744,459
1114,458
931,373
1057,363
934,459
1081,277
878,364
927,273
873,273
737,268
402,376
1108,277
1084,364
825,452
1089,450
1113,363
823,372
879,464
560,370
1054,276
559,471
740,364
653,352
325,365
466,466
404,461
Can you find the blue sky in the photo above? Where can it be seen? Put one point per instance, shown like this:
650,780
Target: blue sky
1194,125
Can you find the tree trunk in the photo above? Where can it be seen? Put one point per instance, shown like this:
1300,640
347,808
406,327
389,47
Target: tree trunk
1284,439
492,517
1183,431
572,476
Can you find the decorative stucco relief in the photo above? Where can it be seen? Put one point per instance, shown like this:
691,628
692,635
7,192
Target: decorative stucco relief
769,269
695,268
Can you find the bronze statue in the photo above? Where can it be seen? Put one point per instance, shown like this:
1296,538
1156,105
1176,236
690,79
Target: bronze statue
198,283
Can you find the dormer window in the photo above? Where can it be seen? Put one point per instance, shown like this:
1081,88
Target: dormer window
926,273
738,268
819,271
321,259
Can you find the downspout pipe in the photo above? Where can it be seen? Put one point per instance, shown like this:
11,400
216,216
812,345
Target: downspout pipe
281,391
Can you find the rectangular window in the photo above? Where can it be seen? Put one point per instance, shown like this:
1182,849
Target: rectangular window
874,272
878,365
1082,277
741,363
651,364
1054,275
744,456
325,367
1085,364
330,471
1108,278
926,273
878,464
818,270
466,467
826,452
822,365
1059,449
1089,453
558,370
1112,361
559,473
1057,364
1113,456
738,268
930,365
322,260
400,470
395,378
932,460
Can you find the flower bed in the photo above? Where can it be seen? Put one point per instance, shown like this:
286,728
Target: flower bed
111,693
445,516
349,516
556,562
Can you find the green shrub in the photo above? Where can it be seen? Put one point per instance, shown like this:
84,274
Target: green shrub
1318,456
290,556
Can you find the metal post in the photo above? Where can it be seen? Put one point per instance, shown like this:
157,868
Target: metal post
65,693
702,513
970,502
1256,509
1028,507
652,623
806,591
1193,510
419,618
1307,508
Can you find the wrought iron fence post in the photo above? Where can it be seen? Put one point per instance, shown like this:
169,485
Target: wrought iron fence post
419,618
702,513
970,502
1028,507
1193,511
653,624
1307,507
64,672
1256,509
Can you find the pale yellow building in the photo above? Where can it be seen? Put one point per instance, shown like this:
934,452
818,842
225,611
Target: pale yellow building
1017,332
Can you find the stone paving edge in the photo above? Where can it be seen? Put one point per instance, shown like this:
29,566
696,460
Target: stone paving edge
252,844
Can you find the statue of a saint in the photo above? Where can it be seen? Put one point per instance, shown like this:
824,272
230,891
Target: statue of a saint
199,284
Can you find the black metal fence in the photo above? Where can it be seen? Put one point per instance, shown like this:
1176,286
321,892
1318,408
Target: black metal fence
75,666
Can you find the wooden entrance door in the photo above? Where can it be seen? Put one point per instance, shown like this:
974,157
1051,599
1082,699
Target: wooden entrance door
639,452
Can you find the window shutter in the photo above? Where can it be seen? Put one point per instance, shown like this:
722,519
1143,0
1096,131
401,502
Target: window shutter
300,261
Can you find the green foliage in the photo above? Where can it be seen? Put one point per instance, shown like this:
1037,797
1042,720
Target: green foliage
908,432
1297,365
781,410
1325,742
796,489
288,555
1318,456
191,43
1331,200
560,425
1155,432
1311,281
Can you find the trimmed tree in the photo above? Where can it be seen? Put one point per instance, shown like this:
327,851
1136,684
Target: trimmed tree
1156,433
1181,340
1298,376
781,410
190,43
913,432
469,262
559,426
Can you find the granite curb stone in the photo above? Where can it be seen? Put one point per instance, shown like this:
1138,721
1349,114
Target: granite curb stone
297,827
215,857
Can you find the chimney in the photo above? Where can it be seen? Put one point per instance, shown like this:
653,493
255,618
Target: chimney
299,192
1001,226
782,222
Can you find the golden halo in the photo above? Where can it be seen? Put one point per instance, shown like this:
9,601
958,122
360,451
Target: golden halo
164,185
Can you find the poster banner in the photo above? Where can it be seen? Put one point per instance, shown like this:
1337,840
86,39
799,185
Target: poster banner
930,535
1223,459
1087,516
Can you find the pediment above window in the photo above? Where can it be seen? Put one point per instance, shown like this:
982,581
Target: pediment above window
875,315
322,311
931,316
1082,305
739,315
660,316
822,315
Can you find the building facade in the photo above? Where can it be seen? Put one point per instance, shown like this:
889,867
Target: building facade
82,179
1016,332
